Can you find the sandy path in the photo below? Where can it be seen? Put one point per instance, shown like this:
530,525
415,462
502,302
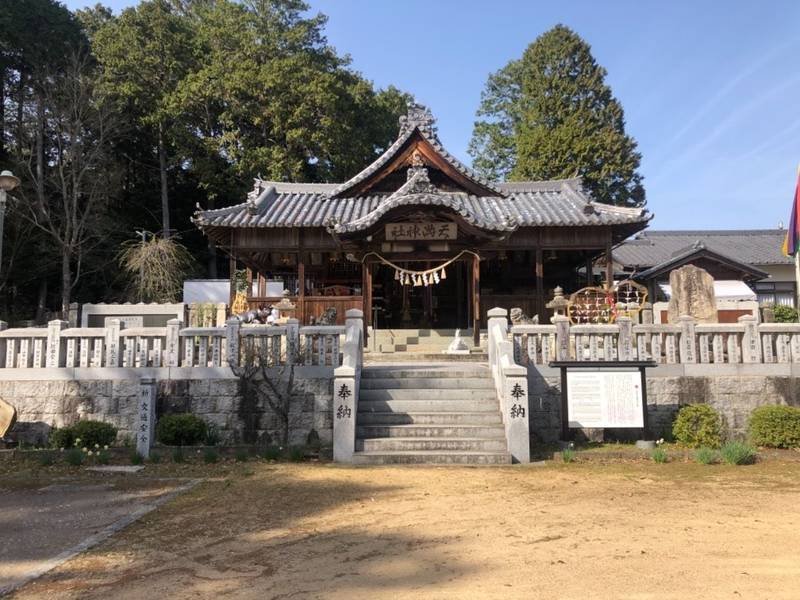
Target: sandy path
567,531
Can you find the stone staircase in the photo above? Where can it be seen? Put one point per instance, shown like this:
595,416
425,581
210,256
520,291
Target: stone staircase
412,413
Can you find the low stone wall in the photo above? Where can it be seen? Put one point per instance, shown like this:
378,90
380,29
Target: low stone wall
734,390
60,397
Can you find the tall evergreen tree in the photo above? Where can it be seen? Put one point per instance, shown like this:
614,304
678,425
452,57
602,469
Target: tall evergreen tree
550,115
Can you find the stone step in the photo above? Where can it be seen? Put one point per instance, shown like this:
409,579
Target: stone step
473,383
460,457
430,431
438,418
420,392
426,444
422,371
426,406
406,356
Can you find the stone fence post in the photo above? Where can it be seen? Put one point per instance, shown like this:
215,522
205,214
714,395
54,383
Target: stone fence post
346,382
496,316
232,341
55,345
173,346
112,343
562,337
292,340
688,342
625,340
751,340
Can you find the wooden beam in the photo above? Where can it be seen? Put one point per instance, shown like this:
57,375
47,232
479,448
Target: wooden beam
366,278
476,301
301,288
540,302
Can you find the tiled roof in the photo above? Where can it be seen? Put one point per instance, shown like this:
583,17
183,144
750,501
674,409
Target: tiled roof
753,247
696,251
500,207
560,203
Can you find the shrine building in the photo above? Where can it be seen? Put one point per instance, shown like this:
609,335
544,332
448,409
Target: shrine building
417,239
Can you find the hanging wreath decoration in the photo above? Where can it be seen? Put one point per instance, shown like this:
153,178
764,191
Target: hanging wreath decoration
419,278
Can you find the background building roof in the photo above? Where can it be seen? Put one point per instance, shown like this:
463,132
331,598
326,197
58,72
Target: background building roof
752,246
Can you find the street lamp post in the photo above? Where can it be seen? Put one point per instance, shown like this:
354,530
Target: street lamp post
7,183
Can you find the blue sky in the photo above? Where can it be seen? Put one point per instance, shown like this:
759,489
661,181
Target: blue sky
711,90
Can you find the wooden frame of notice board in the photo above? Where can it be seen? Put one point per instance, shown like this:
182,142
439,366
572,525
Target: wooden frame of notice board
603,395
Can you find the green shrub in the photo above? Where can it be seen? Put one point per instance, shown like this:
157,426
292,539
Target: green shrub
241,455
103,457
75,457
659,455
297,453
62,438
698,425
775,426
738,453
181,430
84,434
177,455
568,455
45,458
705,456
785,314
136,458
271,453
210,456
155,458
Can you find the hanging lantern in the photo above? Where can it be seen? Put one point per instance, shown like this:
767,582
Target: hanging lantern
444,274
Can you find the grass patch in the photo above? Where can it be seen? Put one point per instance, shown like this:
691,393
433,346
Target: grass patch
241,455
210,456
568,455
297,453
155,458
705,456
103,457
738,453
136,458
45,458
659,455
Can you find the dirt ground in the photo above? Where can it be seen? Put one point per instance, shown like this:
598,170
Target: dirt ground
635,531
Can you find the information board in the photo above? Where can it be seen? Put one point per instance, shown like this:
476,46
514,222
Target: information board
604,397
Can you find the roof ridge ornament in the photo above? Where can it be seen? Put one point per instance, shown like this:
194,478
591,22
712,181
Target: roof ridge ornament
418,116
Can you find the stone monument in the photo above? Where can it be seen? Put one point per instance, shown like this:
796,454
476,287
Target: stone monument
8,416
692,294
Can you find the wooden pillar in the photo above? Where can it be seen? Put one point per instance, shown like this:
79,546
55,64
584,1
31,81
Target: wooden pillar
301,289
540,299
366,290
476,300
249,277
232,291
609,263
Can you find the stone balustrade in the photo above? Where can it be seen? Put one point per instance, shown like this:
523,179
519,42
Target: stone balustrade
59,346
688,342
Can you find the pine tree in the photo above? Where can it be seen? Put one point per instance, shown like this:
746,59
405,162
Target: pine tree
550,115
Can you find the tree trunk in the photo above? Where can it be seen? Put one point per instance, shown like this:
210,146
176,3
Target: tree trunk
162,164
41,303
2,114
20,105
66,284
40,149
212,251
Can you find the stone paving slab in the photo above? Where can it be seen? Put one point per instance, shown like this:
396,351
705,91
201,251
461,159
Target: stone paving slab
41,528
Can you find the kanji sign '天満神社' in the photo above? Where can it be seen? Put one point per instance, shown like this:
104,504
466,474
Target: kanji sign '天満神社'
421,231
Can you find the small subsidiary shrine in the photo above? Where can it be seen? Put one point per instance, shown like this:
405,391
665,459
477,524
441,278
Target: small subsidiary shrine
417,239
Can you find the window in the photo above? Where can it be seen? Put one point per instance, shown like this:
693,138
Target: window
775,292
